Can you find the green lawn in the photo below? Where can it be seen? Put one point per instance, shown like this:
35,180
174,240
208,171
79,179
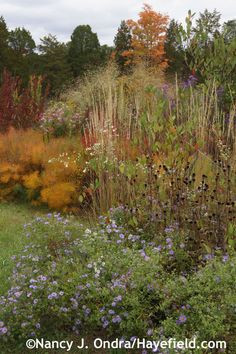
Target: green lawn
12,239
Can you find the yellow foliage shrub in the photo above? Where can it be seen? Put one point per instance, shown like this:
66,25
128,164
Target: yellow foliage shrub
33,180
59,195
45,172
9,172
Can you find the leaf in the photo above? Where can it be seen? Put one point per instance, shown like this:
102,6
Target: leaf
122,168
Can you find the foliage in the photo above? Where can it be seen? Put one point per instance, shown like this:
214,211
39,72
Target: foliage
156,158
206,51
86,283
148,36
174,51
41,172
202,48
20,40
4,50
54,63
20,107
60,120
131,117
123,43
229,30
84,50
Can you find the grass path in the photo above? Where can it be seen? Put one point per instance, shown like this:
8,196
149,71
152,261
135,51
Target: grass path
12,219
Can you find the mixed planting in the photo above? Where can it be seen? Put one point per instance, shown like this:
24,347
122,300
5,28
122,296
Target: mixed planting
144,148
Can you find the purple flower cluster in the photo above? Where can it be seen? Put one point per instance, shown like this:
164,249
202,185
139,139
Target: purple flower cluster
3,328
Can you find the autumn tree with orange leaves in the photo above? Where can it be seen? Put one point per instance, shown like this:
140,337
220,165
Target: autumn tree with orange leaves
148,37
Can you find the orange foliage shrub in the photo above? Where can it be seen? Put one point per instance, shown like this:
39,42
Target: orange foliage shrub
33,180
43,172
58,195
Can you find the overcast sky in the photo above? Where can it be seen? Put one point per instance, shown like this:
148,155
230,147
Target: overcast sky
60,17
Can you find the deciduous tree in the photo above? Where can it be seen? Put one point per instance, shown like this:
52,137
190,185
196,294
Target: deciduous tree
148,37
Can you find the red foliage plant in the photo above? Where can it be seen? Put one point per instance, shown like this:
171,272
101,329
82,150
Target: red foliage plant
20,107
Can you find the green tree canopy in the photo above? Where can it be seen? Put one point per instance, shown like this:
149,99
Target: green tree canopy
229,30
122,41
208,23
21,41
4,49
84,50
174,50
54,62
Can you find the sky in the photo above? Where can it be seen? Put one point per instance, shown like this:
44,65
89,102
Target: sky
60,17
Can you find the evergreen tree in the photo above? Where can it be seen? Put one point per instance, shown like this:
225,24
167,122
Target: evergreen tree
174,50
54,62
84,50
21,48
4,49
123,43
21,41
105,53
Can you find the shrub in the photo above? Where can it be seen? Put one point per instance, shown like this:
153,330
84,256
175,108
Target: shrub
58,195
41,172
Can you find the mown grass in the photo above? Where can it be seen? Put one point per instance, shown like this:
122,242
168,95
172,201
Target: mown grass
12,239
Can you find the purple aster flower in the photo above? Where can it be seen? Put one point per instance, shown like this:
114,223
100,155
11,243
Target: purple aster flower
105,324
33,287
3,330
182,319
116,319
64,309
18,293
53,296
87,311
33,281
225,258
118,298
